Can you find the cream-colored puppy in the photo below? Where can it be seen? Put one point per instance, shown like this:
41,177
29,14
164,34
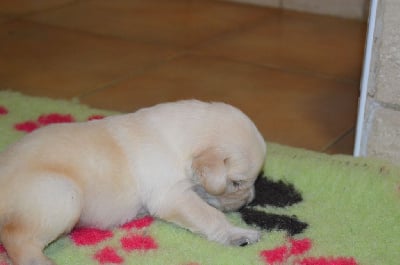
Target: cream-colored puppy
180,162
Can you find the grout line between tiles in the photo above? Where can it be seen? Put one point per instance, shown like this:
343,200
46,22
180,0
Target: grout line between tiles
283,69
133,74
45,9
194,47
228,33
222,34
338,139
184,53
88,33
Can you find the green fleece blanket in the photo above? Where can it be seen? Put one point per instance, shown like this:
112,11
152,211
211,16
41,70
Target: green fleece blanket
350,208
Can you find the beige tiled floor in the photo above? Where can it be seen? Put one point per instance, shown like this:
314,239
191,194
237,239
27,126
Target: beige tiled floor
295,74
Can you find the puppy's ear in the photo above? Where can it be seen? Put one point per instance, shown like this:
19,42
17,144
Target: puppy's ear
209,167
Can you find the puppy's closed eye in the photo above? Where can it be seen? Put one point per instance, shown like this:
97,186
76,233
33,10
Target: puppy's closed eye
241,182
236,183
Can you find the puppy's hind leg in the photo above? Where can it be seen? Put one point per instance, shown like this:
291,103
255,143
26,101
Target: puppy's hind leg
21,248
48,208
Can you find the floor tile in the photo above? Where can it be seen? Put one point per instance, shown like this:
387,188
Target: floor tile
19,7
41,60
299,42
289,108
295,74
179,23
3,19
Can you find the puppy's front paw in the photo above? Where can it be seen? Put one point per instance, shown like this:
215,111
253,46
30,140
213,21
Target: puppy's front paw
242,237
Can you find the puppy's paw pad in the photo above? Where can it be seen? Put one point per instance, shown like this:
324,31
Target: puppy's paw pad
244,237
241,242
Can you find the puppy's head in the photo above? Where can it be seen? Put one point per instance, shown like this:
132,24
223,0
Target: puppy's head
225,180
225,170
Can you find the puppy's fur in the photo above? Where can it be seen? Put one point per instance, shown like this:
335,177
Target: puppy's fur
182,162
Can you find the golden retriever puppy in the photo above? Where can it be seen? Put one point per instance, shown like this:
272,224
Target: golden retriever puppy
182,162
